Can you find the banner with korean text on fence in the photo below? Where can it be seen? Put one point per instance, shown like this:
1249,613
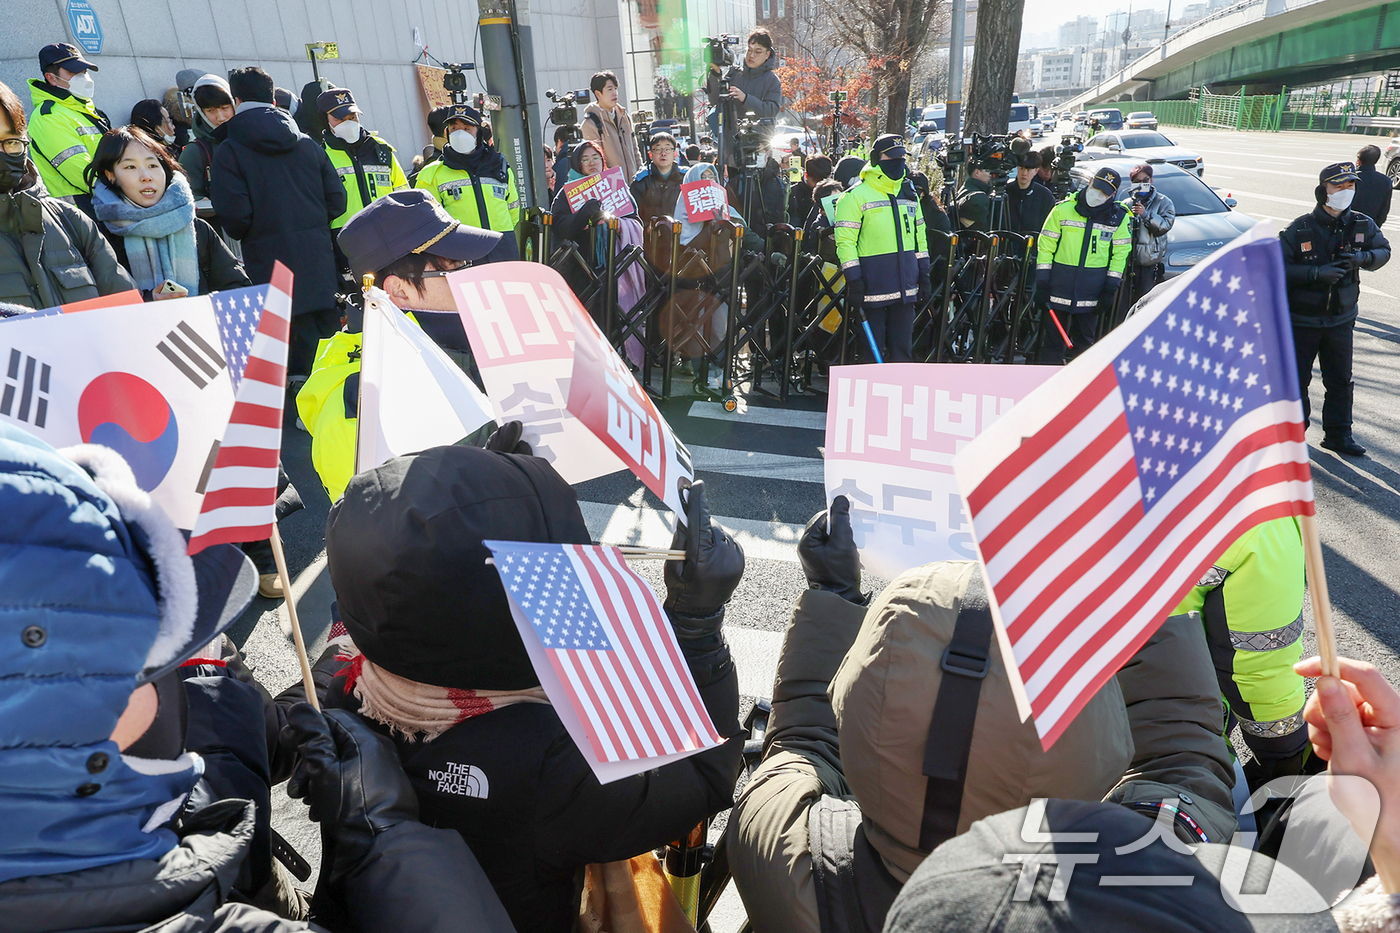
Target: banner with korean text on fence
519,319
891,433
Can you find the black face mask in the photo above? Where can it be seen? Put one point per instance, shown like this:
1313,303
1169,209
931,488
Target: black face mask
12,170
165,739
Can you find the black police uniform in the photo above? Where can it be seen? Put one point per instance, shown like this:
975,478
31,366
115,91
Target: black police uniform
1322,255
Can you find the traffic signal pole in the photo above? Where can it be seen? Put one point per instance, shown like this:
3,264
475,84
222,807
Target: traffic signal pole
957,35
508,58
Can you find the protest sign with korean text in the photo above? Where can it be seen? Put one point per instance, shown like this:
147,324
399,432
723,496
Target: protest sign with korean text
519,319
609,187
605,396
891,433
704,200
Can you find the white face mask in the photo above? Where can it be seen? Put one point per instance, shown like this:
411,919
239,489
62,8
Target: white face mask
1340,200
168,138
1094,197
81,85
462,141
348,130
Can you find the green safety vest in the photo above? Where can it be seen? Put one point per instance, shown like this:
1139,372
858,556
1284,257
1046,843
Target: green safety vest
64,131
369,173
886,249
1251,604
477,202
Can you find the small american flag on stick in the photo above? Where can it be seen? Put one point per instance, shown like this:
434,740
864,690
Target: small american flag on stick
239,495
1105,494
605,653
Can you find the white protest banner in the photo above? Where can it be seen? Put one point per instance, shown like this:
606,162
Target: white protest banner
519,319
605,396
412,396
891,432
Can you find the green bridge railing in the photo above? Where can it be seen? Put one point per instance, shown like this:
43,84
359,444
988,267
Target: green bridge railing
1326,108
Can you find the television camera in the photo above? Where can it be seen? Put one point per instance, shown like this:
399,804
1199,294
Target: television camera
564,113
454,82
1065,156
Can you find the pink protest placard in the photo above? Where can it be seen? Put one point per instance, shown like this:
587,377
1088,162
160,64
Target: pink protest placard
704,200
891,433
520,322
605,396
609,187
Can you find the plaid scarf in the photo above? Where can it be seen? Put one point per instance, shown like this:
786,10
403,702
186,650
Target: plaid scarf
415,710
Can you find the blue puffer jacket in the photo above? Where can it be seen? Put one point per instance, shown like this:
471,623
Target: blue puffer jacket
78,614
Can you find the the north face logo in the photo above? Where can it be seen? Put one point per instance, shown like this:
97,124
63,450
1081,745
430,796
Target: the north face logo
464,780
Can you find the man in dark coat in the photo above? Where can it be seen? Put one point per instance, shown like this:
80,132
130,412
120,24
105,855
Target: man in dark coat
1028,202
1373,189
657,187
815,170
275,189
1323,252
433,658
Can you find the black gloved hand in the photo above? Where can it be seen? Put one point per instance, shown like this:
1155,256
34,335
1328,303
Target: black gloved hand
828,552
855,294
1364,258
1107,293
699,586
592,209
506,439
1331,273
925,287
1041,296
351,777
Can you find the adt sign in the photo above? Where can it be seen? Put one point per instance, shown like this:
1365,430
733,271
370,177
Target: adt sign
87,31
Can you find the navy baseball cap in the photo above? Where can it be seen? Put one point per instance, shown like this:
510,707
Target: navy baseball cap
337,102
889,144
404,222
1107,180
61,54
1338,172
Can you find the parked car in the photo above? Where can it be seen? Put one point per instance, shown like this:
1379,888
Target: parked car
1391,160
1204,221
1145,146
1141,120
1110,118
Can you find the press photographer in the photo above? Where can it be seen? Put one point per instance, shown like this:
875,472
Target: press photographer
735,91
993,160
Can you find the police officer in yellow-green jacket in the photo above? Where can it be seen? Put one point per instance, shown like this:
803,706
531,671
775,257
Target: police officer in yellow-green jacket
1251,604
365,162
472,180
883,250
65,125
1080,257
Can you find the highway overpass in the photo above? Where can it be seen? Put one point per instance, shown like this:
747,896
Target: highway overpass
1263,45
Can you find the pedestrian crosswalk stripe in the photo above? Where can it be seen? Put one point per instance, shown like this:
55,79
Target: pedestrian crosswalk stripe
626,524
777,417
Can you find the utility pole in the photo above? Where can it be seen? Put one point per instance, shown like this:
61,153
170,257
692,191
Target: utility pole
1167,26
957,33
508,58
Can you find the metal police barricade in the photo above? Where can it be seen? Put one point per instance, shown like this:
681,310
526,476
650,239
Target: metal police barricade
816,318
929,319
760,327
1007,297
960,338
640,321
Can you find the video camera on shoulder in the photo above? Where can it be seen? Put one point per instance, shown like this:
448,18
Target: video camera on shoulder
564,113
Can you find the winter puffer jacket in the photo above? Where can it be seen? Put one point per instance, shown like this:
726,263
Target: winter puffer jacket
1158,216
658,195
276,190
764,100
51,253
880,238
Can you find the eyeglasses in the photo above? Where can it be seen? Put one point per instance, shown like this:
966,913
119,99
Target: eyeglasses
16,146
439,273
663,150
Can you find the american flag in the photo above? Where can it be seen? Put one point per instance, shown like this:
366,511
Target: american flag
254,326
610,648
1102,498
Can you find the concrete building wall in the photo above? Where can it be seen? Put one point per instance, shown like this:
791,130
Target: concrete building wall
146,42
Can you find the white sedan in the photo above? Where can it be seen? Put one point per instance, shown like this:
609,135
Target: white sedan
1143,145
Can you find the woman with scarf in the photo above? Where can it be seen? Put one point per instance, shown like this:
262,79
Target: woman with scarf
585,161
152,116
471,181
144,206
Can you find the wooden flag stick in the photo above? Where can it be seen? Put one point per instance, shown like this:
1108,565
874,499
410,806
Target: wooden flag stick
650,553
1317,587
286,578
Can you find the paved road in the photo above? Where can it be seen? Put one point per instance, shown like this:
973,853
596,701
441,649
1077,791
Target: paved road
762,468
